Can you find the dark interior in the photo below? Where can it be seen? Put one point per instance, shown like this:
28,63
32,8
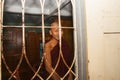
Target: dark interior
12,43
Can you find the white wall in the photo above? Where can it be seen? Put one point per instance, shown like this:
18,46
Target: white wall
103,37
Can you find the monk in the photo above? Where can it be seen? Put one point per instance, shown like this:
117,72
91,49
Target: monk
52,52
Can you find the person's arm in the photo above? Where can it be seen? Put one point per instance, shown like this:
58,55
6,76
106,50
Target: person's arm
70,77
47,61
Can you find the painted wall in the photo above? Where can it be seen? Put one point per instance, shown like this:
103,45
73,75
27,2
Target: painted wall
0,39
103,37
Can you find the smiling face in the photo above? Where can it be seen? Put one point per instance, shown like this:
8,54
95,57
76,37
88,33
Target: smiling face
54,31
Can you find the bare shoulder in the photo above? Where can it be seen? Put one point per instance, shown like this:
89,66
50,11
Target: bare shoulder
48,46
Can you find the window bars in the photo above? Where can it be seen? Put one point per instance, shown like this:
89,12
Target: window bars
43,27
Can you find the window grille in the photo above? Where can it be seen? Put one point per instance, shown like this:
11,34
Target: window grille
41,27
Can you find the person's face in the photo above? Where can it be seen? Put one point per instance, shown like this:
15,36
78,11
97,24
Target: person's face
54,32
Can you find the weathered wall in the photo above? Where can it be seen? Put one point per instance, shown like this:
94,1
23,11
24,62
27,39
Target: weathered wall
103,36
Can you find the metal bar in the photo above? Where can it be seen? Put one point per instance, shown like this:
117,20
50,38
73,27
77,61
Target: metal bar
64,27
75,38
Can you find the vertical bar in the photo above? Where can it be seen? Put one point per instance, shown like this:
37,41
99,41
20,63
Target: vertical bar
75,37
1,28
23,25
43,29
59,26
1,31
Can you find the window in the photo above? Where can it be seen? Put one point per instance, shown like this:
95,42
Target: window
26,26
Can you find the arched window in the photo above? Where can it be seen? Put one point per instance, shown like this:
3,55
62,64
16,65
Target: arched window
26,26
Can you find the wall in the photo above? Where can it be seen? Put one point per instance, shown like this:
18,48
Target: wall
0,39
103,38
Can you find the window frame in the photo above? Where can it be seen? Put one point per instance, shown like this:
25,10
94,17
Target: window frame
81,38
